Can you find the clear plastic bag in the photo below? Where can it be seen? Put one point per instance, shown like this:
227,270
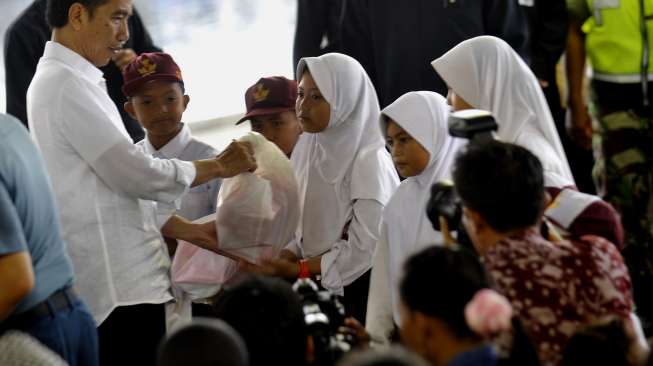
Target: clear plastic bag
257,215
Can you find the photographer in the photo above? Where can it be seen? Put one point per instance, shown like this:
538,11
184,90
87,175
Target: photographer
288,325
554,287
268,315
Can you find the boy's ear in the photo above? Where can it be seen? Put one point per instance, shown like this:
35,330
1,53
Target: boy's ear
186,101
129,108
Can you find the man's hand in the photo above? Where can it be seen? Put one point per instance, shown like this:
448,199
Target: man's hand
123,57
356,332
579,126
203,235
237,158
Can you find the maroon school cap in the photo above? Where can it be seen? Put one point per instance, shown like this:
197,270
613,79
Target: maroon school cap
148,67
271,95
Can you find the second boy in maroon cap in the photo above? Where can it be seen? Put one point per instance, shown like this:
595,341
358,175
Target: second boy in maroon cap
271,111
156,98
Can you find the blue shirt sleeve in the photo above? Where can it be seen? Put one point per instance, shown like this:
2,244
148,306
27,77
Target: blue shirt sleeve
12,237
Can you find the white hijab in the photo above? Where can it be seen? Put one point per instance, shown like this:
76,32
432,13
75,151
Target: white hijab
489,75
345,162
424,116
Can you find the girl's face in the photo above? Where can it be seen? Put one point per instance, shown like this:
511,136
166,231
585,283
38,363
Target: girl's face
457,102
313,111
409,156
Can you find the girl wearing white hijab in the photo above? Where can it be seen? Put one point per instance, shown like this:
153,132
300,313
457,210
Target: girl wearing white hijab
485,73
345,177
415,126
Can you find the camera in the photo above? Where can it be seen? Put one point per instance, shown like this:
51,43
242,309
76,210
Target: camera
477,126
324,314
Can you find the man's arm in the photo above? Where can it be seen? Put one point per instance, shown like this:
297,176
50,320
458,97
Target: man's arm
203,235
16,275
16,281
579,120
122,165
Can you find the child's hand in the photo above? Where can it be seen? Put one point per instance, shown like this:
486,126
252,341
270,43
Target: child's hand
274,267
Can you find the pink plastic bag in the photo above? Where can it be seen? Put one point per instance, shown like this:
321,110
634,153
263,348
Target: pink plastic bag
257,215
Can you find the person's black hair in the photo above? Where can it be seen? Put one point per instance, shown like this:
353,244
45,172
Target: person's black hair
503,182
439,282
268,315
205,342
394,356
603,344
56,12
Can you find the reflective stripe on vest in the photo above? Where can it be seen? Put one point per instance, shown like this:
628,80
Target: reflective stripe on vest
614,39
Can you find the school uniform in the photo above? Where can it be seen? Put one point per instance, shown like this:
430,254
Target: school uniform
200,200
345,177
490,75
405,228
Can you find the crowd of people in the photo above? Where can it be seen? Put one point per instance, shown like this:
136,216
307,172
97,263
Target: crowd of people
102,179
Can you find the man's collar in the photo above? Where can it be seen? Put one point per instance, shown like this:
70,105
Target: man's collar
71,58
173,148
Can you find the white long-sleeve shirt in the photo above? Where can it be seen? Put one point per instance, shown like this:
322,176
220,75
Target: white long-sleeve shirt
98,177
200,200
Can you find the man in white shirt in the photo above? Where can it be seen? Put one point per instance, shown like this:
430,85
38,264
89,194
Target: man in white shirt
99,178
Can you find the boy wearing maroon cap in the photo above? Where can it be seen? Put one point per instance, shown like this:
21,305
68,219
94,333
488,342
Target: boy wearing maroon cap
156,98
271,111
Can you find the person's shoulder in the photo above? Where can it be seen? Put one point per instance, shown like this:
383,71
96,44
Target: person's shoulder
10,128
56,78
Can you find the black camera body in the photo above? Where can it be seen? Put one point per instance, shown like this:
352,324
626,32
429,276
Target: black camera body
477,126
324,314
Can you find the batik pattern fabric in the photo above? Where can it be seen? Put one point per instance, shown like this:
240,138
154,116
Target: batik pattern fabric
555,288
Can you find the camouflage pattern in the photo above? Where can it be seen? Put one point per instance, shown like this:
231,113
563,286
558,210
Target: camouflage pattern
623,147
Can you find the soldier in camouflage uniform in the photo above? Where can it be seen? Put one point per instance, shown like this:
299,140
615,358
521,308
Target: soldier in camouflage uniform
615,36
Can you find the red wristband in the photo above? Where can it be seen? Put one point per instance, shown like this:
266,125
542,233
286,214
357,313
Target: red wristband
304,272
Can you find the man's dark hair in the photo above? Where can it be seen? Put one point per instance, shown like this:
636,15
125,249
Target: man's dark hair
438,282
205,342
503,182
56,11
268,315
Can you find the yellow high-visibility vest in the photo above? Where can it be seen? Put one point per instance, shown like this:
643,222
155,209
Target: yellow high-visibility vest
614,41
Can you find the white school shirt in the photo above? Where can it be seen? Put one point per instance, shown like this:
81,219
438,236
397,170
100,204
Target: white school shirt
98,176
405,227
200,200
345,175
